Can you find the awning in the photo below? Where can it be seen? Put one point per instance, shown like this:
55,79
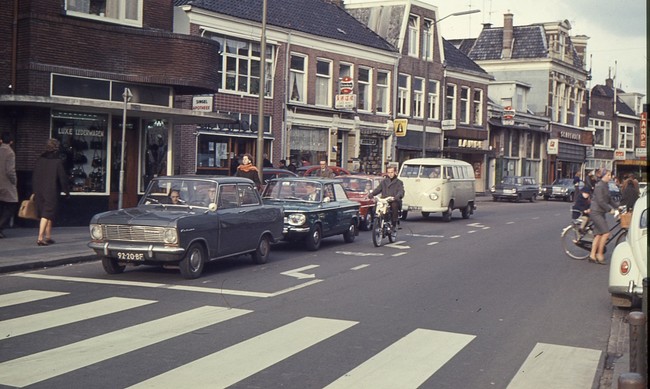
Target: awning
177,115
375,131
632,162
497,123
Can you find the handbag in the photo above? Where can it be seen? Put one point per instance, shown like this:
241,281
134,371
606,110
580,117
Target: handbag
28,209
626,219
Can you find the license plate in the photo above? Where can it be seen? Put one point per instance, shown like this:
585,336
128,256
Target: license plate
414,208
130,256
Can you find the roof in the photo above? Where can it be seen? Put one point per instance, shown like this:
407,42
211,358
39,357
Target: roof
608,92
529,42
316,17
457,59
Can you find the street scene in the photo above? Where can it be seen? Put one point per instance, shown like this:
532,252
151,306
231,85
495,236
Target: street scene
487,302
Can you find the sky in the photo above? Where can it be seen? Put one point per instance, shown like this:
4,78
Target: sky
617,30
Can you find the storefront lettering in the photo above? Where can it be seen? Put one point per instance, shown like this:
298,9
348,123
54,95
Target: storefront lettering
569,135
468,143
80,132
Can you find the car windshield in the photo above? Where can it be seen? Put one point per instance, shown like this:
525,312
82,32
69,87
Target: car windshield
512,180
180,192
294,190
356,184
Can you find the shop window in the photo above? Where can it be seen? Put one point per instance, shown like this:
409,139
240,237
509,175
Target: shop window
116,11
155,144
212,152
83,138
309,143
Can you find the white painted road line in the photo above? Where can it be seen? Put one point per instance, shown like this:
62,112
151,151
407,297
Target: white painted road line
231,365
27,296
58,317
360,267
399,254
432,243
41,366
298,273
406,363
556,366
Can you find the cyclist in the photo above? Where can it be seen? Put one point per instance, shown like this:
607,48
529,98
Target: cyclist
581,206
601,204
391,186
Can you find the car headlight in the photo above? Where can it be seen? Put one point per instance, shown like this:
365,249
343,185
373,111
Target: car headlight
510,190
96,232
170,236
433,196
296,219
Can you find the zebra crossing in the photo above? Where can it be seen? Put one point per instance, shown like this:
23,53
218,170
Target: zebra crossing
406,363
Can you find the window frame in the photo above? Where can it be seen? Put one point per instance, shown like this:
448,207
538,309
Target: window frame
604,126
383,93
413,35
301,89
418,97
450,102
464,105
101,16
625,135
327,80
477,108
433,100
404,95
364,90
427,39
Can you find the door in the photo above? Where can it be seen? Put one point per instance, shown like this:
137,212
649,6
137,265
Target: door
130,189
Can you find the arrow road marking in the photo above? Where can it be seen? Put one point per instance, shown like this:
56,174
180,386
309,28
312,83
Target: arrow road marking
297,272
398,245
357,254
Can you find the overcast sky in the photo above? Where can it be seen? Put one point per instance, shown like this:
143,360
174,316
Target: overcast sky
617,30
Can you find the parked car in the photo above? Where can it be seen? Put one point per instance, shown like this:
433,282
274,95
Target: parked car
629,264
562,188
313,209
614,191
516,188
269,173
215,217
312,171
357,188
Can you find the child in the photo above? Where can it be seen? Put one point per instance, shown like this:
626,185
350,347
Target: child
582,204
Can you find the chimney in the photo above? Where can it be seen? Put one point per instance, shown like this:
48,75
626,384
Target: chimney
609,82
506,52
487,26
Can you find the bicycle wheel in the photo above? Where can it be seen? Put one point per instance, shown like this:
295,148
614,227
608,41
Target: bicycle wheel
573,245
377,229
621,236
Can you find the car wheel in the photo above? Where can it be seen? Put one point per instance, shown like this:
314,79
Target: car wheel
425,214
467,211
546,198
446,216
312,241
404,214
192,265
112,266
350,233
367,222
533,198
261,253
495,199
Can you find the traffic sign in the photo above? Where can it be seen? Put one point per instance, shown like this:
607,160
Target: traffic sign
400,126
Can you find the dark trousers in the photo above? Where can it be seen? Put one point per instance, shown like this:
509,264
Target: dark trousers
7,210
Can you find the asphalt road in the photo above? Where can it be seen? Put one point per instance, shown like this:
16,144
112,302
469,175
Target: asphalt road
489,302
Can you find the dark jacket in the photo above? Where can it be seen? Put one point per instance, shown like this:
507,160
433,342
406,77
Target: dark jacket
601,201
250,172
48,181
390,187
629,195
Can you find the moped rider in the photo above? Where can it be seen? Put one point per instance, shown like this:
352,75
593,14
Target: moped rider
391,186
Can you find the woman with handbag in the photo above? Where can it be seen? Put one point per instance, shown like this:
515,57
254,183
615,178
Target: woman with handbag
48,181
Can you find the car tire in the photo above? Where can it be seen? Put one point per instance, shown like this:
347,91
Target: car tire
261,253
446,216
367,221
112,266
425,214
533,198
313,240
546,198
467,211
350,233
191,266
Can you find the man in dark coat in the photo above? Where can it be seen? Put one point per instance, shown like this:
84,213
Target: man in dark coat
391,186
48,181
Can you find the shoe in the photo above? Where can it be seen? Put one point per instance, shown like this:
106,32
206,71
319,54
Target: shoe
41,243
49,241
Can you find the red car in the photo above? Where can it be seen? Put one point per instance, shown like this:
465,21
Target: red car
312,171
357,188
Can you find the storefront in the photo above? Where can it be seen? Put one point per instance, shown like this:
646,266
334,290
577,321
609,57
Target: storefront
410,146
570,155
372,150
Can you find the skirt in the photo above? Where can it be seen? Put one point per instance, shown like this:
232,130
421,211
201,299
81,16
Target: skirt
600,223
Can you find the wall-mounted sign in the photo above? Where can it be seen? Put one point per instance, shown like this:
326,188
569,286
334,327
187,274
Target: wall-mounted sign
619,155
346,85
345,101
448,125
400,126
552,147
644,129
508,116
570,135
202,103
641,152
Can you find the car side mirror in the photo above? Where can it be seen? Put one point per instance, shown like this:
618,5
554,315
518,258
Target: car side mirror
212,207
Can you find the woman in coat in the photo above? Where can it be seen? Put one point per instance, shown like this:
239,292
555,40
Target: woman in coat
48,181
248,170
601,204
629,192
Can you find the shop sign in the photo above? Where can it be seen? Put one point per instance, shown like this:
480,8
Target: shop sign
346,85
471,144
570,135
368,142
644,130
619,155
202,103
508,116
400,126
590,153
641,152
448,125
345,101
91,131
552,147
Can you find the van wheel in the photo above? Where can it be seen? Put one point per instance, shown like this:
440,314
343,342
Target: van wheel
425,214
446,216
467,211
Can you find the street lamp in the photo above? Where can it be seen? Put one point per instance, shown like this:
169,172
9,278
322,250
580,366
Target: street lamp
426,79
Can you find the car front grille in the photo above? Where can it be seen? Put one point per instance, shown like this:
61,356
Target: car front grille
134,233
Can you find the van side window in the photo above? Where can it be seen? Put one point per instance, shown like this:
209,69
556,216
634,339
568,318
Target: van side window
430,172
449,172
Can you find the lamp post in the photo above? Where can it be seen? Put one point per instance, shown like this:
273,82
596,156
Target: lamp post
426,81
127,97
260,108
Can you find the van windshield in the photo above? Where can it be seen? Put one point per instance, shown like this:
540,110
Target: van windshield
421,171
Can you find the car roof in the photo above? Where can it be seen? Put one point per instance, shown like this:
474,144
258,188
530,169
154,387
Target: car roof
200,177
310,179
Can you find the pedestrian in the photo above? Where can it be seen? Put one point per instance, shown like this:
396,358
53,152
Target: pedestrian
601,203
576,180
325,171
292,166
391,186
591,180
282,164
234,164
248,170
48,181
629,192
265,161
8,192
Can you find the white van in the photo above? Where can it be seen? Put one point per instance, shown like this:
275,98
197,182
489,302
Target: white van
438,185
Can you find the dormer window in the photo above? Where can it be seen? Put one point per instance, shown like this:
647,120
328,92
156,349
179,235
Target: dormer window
414,36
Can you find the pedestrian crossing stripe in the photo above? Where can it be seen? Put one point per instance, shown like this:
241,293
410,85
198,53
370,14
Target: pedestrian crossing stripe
58,317
26,296
406,363
249,357
44,365
556,366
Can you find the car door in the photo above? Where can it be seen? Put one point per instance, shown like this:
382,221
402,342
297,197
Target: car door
329,211
252,217
230,231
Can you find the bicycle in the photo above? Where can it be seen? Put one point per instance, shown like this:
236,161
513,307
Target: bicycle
383,225
577,241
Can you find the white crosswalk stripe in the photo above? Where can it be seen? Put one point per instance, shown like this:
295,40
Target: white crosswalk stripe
406,363
26,296
556,366
249,357
44,320
51,363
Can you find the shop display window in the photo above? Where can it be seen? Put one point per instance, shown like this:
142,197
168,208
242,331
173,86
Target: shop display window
155,144
83,138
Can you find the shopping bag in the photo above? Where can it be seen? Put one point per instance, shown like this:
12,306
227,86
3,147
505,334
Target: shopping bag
28,209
